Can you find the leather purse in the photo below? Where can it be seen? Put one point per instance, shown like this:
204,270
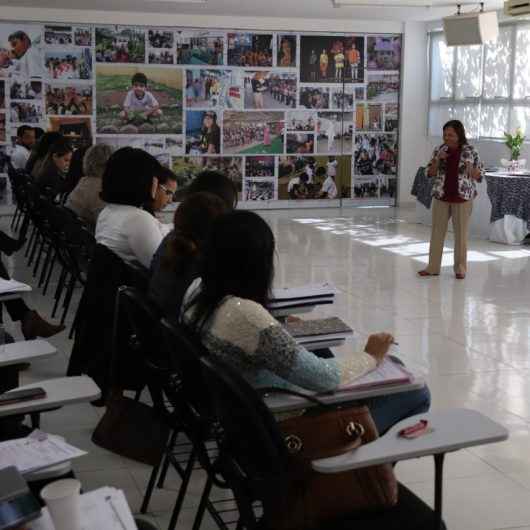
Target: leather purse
313,499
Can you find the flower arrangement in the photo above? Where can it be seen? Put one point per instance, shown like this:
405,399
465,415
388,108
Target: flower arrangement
514,142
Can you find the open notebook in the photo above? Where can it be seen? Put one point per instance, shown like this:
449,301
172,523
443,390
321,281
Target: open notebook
387,373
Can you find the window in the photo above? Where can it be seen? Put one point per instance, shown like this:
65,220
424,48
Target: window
487,87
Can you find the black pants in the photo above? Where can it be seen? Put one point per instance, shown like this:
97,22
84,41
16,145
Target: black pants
17,308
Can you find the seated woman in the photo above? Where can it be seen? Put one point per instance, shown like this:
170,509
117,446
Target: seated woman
127,225
176,262
51,178
227,308
85,198
40,150
216,182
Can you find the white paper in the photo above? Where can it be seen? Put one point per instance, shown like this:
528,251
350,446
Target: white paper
388,372
12,286
36,452
102,509
303,292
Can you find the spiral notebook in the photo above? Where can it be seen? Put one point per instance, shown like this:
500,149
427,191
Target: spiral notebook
387,373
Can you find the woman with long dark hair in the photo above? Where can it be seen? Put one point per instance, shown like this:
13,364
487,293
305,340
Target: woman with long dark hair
455,168
210,134
51,177
227,307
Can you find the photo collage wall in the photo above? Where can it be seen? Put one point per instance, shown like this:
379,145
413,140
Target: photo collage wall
286,116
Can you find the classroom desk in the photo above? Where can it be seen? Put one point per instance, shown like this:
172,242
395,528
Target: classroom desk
284,403
453,430
25,351
59,392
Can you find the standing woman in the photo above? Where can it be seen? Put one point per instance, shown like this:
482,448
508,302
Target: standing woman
456,168
210,142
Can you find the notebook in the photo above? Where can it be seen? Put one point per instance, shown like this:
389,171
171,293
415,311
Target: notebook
12,286
387,373
319,329
303,293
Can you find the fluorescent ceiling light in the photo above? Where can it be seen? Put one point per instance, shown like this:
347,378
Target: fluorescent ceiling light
384,3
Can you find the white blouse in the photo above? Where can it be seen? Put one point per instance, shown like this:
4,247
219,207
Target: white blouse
130,232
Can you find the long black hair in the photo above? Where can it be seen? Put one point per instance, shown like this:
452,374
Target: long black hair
458,127
238,261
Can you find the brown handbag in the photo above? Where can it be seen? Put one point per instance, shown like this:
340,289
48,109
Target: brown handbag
313,499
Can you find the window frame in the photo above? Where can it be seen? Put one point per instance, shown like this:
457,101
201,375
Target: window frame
510,101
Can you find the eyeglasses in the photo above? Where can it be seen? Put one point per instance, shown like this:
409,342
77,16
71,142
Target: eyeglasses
168,192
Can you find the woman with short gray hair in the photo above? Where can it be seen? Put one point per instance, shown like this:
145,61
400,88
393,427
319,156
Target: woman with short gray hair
84,199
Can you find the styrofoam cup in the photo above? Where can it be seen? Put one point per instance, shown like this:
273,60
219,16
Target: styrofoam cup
62,499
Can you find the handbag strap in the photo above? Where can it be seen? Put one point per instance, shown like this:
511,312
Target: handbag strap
278,390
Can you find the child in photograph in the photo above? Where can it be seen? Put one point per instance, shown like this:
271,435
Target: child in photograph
329,188
339,65
139,102
354,57
259,86
285,53
313,65
324,61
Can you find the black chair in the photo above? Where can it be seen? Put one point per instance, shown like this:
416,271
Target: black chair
253,461
190,401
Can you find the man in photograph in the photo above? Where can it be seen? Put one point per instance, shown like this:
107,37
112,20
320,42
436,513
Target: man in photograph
27,55
25,141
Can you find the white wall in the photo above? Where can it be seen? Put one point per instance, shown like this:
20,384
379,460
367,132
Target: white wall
413,143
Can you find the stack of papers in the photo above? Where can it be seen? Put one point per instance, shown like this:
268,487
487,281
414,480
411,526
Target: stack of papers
319,333
306,296
12,286
38,451
102,509
387,373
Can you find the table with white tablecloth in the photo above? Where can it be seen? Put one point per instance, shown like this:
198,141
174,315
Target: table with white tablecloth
501,210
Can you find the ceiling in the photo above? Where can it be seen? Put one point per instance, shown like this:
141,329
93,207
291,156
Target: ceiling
315,9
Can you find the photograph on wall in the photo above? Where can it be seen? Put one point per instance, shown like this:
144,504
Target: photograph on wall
2,95
188,167
83,36
200,47
253,132
343,99
161,57
21,50
117,142
161,39
58,35
331,59
260,166
2,127
314,98
301,120
270,90
203,132
366,187
384,53
249,49
299,143
175,145
138,100
391,117
72,64
375,154
120,44
335,132
259,189
383,87
210,89
369,117
286,51
78,130
360,93
69,100
26,112
314,177
25,89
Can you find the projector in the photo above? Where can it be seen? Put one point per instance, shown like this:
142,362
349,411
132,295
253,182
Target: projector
514,8
471,28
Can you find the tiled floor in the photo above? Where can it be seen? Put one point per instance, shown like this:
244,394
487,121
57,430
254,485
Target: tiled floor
471,339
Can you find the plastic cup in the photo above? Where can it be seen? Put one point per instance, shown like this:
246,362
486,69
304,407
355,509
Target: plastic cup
62,499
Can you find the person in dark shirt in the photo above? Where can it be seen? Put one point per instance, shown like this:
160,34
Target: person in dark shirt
210,142
51,178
